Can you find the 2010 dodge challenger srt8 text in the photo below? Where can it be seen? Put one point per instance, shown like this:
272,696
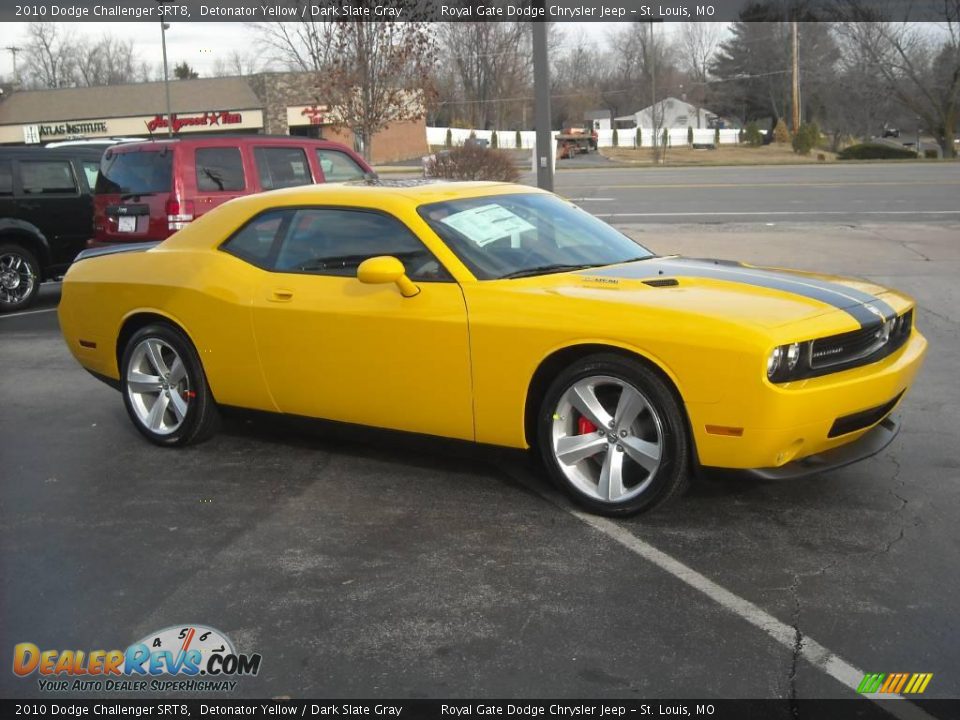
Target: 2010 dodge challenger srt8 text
500,314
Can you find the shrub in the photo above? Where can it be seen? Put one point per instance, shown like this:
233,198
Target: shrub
689,135
665,138
471,162
742,136
930,154
807,137
616,138
449,141
716,137
780,133
473,135
871,151
518,140
494,143
639,139
753,135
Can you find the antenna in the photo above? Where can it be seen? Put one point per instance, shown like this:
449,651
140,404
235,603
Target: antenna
13,49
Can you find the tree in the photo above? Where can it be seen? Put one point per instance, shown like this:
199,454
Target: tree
639,137
615,140
300,45
237,63
518,140
921,69
183,71
448,141
690,135
698,43
494,143
781,134
107,61
49,57
807,137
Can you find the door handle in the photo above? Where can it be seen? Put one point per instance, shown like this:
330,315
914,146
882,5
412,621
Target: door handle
281,296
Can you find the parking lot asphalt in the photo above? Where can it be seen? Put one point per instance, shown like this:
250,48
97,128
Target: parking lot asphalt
363,563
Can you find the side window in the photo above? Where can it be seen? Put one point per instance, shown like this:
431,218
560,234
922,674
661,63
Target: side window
255,241
6,178
281,167
90,170
330,241
219,169
47,177
338,166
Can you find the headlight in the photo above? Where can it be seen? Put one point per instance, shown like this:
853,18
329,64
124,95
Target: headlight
782,362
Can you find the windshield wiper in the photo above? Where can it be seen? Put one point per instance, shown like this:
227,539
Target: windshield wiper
545,269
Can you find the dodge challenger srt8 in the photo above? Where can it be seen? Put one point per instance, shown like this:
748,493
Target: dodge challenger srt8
500,314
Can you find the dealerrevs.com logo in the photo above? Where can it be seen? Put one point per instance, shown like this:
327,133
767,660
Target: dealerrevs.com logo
180,658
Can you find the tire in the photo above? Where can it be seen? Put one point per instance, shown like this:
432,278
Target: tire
19,277
639,463
164,388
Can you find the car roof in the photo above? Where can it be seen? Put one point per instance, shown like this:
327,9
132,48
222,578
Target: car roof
225,140
42,152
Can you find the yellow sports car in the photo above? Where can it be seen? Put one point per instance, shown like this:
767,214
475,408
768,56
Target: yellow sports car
500,314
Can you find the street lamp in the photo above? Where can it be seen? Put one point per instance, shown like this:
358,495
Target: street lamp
166,76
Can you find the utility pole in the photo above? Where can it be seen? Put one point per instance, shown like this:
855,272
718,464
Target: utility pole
13,52
796,77
166,76
653,95
542,114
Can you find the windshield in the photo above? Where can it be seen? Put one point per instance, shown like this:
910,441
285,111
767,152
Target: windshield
518,235
135,172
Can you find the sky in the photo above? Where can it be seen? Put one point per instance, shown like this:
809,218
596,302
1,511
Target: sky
200,43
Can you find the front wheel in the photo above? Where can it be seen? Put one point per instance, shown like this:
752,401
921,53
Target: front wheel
19,277
165,389
612,435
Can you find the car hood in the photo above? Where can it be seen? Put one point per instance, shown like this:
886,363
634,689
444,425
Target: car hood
764,297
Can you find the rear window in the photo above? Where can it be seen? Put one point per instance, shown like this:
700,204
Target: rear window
281,167
137,172
219,169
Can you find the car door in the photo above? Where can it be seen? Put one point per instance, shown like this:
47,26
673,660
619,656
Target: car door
335,348
50,198
220,176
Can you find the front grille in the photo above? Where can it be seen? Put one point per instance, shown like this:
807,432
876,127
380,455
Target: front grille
852,349
862,419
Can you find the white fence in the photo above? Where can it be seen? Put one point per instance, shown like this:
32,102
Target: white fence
626,137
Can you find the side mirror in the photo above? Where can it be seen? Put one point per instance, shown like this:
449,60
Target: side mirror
386,269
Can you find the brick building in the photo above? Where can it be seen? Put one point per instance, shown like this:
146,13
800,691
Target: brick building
275,103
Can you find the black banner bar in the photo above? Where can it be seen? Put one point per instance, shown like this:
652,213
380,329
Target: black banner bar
860,708
470,10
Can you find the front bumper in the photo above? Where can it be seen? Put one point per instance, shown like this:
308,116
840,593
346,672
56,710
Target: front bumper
869,444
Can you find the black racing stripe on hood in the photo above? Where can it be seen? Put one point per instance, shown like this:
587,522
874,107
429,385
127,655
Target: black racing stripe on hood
853,302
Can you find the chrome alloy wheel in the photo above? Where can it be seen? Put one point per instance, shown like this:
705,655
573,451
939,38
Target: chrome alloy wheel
607,438
158,386
16,278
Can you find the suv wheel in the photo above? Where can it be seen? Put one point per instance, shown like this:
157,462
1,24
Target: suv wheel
19,277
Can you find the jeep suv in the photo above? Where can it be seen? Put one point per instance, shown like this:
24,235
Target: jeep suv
46,216
149,190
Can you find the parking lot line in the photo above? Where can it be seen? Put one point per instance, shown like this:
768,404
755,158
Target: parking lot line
809,649
27,312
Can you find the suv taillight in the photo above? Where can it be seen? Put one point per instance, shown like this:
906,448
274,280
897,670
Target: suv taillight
178,213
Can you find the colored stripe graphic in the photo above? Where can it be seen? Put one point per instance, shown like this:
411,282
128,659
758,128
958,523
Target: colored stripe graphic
894,683
853,302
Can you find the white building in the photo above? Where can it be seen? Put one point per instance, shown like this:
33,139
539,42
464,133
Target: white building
672,113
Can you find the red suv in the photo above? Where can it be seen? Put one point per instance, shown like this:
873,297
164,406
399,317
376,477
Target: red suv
149,190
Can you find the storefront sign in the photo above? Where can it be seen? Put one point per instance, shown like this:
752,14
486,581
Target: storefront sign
72,128
206,120
310,115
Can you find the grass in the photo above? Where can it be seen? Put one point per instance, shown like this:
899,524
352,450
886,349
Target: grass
772,154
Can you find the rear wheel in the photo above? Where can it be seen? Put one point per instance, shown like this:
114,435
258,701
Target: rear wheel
19,277
165,389
612,435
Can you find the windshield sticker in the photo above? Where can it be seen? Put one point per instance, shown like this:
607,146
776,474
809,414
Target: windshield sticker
487,223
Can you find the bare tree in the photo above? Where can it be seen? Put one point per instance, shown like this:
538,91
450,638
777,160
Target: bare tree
298,45
107,61
237,63
492,62
49,56
698,43
921,69
377,73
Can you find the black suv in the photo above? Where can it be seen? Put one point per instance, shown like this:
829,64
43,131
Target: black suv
46,216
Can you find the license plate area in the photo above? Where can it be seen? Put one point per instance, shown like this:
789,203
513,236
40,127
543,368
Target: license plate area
126,223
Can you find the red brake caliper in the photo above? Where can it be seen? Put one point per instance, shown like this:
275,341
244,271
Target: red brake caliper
585,427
